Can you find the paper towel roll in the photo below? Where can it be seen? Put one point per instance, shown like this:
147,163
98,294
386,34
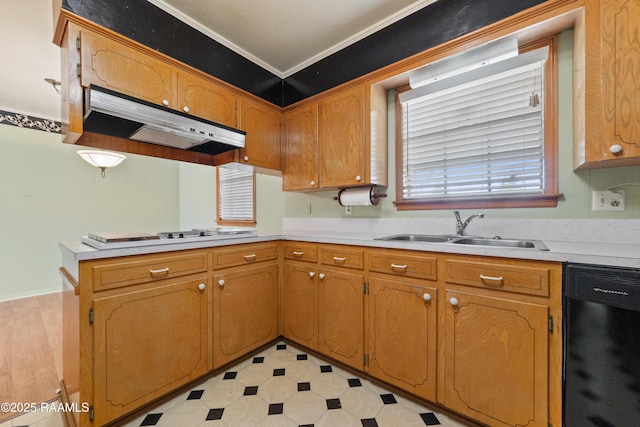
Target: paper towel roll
359,197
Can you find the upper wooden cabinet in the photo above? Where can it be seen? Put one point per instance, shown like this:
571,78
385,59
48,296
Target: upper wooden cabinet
338,142
262,124
300,169
607,85
117,67
205,99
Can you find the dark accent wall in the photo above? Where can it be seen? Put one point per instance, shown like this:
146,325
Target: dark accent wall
428,27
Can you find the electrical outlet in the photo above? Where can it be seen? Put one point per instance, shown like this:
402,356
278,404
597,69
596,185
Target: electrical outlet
608,200
347,209
308,208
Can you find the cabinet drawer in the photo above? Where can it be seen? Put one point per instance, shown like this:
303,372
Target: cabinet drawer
512,278
301,252
244,254
419,267
342,257
126,273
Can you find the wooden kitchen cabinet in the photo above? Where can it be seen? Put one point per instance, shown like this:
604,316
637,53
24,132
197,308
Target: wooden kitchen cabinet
245,310
112,65
203,98
341,316
300,168
340,141
496,359
607,85
146,343
263,126
401,329
300,303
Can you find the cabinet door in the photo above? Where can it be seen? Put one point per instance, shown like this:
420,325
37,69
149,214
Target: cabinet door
245,311
262,124
609,86
206,99
300,169
147,343
496,360
343,141
341,316
300,308
401,328
117,67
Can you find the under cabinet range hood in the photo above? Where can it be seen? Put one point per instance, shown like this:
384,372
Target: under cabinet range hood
112,113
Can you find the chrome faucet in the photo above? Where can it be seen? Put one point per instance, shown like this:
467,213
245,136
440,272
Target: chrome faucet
461,226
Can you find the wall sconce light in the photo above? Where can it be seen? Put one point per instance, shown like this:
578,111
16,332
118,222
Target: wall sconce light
102,159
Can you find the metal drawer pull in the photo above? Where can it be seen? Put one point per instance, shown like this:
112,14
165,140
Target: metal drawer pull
162,270
496,279
298,253
250,257
338,259
399,267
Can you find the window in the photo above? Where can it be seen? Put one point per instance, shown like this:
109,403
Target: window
235,195
482,139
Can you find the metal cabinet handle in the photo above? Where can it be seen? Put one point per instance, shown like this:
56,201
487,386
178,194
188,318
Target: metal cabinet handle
221,282
297,253
426,297
339,259
493,278
251,257
454,301
160,271
201,286
399,267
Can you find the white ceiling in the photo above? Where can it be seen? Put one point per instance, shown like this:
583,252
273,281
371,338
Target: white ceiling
285,36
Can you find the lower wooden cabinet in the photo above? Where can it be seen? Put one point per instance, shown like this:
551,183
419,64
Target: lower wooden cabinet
147,343
495,362
341,316
300,304
245,311
401,331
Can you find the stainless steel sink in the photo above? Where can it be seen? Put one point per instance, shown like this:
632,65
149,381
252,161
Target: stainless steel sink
433,238
463,240
504,243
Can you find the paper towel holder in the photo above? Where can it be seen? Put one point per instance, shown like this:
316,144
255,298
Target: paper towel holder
374,194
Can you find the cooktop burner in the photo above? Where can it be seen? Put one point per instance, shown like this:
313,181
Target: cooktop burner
183,234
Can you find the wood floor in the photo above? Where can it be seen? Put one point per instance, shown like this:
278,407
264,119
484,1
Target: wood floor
30,349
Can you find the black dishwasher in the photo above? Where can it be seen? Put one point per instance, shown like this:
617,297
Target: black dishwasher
601,360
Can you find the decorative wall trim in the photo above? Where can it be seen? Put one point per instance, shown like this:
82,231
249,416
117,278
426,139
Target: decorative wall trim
25,121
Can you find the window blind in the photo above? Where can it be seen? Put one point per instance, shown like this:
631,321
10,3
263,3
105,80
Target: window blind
483,137
235,194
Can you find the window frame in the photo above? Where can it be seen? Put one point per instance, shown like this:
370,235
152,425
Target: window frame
238,223
550,195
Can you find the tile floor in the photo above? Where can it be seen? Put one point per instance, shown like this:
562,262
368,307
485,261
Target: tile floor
283,387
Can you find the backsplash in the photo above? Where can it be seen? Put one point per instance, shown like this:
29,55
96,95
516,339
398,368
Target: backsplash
570,230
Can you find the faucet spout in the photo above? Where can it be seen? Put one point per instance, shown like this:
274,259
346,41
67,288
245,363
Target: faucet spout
461,226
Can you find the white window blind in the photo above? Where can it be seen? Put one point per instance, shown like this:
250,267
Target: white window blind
235,194
482,137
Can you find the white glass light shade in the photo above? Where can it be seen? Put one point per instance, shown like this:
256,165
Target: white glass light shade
102,159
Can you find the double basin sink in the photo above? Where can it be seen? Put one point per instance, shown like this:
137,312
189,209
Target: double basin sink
468,240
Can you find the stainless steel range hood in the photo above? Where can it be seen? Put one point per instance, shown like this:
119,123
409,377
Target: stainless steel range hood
111,113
